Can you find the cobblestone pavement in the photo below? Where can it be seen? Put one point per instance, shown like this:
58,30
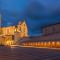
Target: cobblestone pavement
23,53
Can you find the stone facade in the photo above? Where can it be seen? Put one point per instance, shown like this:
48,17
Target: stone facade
51,38
51,29
17,32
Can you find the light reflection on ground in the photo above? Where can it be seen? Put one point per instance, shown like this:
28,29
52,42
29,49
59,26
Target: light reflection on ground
14,46
23,53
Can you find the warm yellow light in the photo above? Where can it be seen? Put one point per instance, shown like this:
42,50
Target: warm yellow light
45,43
9,42
53,43
58,43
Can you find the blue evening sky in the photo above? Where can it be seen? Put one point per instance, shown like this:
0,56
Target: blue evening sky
36,13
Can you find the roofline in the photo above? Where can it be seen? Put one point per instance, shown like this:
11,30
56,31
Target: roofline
50,25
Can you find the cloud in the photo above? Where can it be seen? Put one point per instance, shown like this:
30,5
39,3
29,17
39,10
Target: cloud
41,14
38,13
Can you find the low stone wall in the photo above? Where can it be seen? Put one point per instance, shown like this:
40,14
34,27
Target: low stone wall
42,41
55,44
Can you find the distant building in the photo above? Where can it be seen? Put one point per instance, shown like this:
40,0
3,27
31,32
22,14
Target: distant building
51,29
14,32
50,38
21,30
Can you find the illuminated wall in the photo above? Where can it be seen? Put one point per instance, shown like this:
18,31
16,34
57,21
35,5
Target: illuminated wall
2,40
43,44
22,27
22,31
8,30
51,38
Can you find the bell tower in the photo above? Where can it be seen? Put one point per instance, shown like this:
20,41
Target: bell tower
22,27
